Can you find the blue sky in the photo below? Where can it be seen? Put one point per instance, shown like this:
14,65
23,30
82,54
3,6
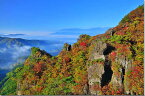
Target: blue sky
44,19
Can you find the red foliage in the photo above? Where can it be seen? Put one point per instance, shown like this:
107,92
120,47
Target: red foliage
108,37
123,49
78,89
39,89
95,87
33,78
113,54
120,33
67,59
119,92
125,28
109,91
83,44
136,71
38,67
112,92
117,28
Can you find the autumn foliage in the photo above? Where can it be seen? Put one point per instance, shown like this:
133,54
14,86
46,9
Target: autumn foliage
67,73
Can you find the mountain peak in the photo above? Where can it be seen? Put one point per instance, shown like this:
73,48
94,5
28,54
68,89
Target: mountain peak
36,52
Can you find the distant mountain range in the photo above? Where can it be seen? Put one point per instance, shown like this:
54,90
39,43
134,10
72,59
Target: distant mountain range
9,42
15,50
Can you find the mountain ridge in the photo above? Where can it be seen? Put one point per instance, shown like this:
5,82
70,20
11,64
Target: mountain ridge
105,64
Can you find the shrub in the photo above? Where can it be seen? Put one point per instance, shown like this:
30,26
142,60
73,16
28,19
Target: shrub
83,44
34,50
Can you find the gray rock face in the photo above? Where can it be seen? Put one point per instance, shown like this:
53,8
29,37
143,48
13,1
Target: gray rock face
67,47
98,50
119,81
126,65
107,72
94,76
110,31
95,71
86,89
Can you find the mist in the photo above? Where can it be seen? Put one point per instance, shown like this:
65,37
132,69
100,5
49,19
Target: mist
11,56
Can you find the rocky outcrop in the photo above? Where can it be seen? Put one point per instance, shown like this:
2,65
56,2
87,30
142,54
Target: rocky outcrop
95,71
67,47
102,74
122,81
110,31
98,50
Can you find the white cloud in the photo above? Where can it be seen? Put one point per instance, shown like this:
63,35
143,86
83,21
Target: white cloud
2,50
63,36
31,33
20,51
36,34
